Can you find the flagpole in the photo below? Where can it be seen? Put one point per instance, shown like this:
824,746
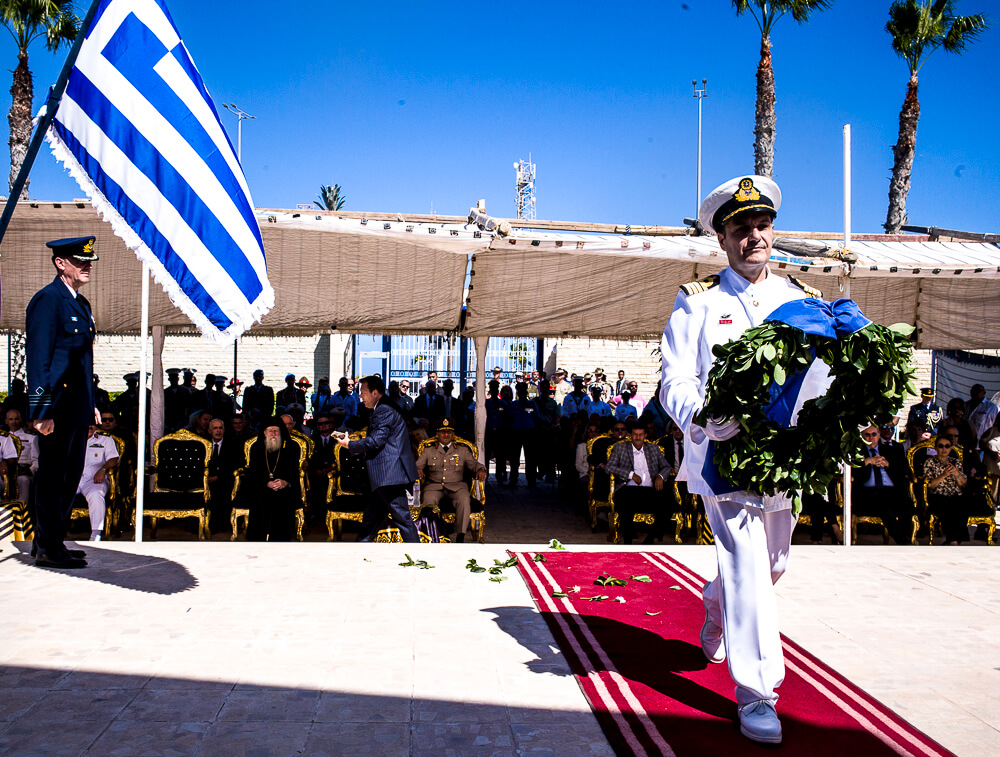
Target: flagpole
140,478
51,106
845,467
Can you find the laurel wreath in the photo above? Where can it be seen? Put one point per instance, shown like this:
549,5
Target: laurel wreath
872,375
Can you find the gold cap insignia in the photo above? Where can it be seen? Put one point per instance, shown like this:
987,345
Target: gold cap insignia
88,249
747,191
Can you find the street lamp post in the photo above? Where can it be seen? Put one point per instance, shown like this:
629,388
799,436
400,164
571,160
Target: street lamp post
701,94
241,116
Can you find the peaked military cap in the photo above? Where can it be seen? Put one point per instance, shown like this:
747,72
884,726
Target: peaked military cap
737,197
446,425
926,392
173,371
78,248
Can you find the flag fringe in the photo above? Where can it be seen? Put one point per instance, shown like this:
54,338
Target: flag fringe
257,309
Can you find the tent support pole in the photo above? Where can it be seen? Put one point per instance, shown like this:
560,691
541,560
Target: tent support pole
156,403
140,454
481,343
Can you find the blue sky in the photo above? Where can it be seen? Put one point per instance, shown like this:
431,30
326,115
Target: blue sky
411,107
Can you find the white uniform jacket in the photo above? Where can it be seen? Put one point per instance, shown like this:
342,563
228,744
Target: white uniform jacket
718,313
101,450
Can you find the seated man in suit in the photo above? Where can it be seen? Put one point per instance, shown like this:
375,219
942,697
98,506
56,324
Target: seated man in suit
441,468
879,486
102,456
226,457
322,462
271,487
640,470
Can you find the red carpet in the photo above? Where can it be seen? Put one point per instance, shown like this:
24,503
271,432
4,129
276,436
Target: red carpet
651,688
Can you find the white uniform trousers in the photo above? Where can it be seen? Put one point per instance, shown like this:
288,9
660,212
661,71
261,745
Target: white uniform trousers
752,549
95,495
24,488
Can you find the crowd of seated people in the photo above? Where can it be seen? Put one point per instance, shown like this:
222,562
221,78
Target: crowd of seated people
539,426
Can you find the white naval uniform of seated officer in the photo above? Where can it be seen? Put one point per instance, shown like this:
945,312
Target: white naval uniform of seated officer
752,532
101,456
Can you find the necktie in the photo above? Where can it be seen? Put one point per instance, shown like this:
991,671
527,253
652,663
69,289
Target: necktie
215,450
876,471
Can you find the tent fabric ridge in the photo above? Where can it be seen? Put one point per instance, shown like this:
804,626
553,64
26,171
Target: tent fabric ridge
258,308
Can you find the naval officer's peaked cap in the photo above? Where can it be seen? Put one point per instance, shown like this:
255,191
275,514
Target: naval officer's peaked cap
738,197
78,248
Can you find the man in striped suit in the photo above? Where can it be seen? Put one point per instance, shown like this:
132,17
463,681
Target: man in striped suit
389,461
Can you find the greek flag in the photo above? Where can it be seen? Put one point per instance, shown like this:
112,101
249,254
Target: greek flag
138,131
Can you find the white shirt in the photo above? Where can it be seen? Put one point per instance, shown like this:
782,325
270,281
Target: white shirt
983,417
698,323
29,449
640,467
101,449
8,451
582,466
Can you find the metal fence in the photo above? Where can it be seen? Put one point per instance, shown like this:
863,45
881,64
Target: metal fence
412,357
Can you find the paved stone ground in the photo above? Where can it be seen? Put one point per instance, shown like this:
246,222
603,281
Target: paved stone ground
177,647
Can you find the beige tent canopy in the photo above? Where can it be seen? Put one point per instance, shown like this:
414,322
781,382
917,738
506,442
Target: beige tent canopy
390,275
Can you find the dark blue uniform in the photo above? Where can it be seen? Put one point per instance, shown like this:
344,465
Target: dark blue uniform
60,358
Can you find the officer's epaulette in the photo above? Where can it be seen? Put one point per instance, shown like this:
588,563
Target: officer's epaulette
701,285
811,291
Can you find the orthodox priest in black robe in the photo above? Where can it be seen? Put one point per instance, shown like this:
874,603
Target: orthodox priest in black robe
271,488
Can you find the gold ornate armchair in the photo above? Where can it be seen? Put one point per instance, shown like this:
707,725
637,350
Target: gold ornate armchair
15,520
242,510
10,491
477,493
614,519
179,481
919,488
598,482
114,500
347,490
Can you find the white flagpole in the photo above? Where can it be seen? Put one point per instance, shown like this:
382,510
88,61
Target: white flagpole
847,293
140,454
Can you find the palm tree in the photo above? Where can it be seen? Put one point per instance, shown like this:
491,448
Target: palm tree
767,13
330,198
27,20
917,30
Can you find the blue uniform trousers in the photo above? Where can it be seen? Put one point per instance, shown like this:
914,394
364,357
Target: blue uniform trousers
61,456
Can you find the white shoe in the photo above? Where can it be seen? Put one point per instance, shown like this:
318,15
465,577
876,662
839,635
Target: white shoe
759,722
711,641
95,536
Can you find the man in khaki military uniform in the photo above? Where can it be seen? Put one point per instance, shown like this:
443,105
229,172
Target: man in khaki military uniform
441,468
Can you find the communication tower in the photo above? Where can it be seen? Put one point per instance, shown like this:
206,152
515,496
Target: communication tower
525,188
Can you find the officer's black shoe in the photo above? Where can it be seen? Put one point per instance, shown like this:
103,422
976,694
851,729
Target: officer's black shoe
62,560
78,553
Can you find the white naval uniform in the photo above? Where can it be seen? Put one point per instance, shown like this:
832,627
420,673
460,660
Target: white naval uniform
29,457
101,449
752,532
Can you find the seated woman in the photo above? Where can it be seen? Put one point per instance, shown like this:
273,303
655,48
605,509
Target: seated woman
946,492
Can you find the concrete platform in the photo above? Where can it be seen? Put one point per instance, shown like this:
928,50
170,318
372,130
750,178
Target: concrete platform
188,648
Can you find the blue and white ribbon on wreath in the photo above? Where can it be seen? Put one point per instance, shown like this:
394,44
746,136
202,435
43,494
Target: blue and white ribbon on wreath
138,131
835,320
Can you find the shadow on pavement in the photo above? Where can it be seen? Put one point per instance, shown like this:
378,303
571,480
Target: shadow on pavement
145,573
